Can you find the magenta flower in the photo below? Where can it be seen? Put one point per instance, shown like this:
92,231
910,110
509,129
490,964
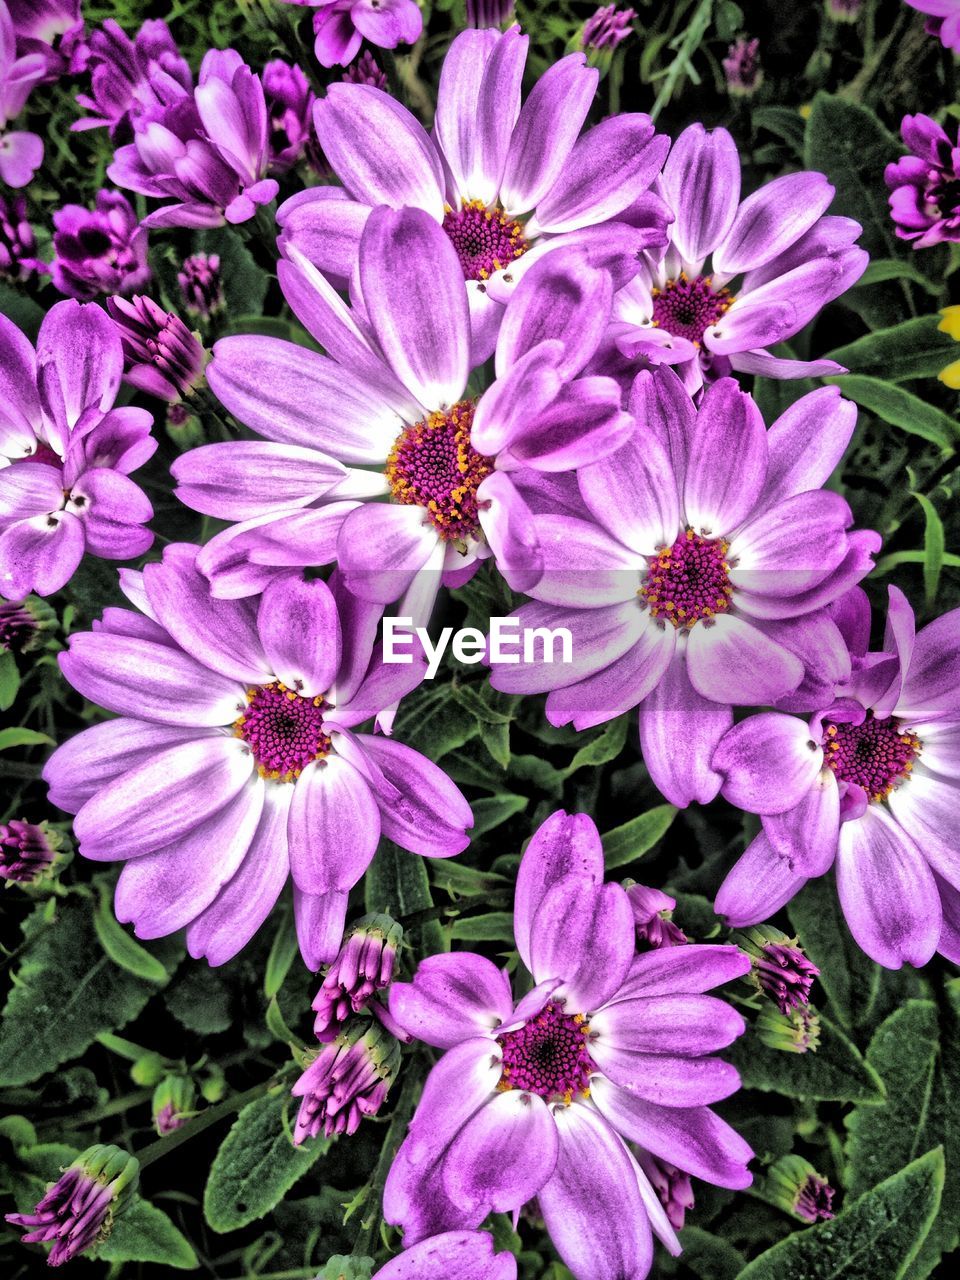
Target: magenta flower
348,1079
869,785
289,102
780,969
209,150
100,251
236,732
699,583
742,68
943,20
540,1097
738,276
365,71
672,1185
65,453
925,186
365,965
160,354
607,28
27,850
132,80
386,413
201,284
51,28
468,1255
505,182
17,241
341,26
79,1209
21,153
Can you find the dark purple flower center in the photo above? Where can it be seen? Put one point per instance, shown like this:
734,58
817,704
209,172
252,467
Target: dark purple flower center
486,240
284,731
687,308
689,581
814,1201
433,465
876,755
548,1055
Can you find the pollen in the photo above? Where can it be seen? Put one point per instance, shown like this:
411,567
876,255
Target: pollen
877,755
548,1056
283,730
486,240
687,308
688,582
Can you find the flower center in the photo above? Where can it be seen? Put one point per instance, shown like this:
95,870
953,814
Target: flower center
876,755
283,730
548,1055
433,465
486,240
687,308
689,581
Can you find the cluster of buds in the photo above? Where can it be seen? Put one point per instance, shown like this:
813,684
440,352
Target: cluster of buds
366,71
201,285
174,1102
603,33
794,1185
79,1209
160,354
23,623
653,916
28,851
780,969
365,965
17,242
673,1187
346,1080
795,1032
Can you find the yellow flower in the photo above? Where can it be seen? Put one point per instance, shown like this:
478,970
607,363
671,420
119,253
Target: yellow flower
951,324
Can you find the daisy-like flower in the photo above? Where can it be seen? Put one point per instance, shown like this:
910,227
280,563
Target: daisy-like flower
388,413
132,80
341,26
943,20
468,1255
925,185
65,453
103,250
505,182
737,276
20,152
699,583
539,1098
869,784
235,733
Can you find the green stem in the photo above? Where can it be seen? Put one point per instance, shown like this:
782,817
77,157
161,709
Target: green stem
702,17
370,1225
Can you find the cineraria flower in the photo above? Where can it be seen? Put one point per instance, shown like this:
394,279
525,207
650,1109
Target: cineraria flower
505,182
468,1255
209,150
742,68
340,26
671,1184
652,914
160,354
606,29
17,242
23,623
943,20
925,186
386,413
21,153
794,1184
100,251
348,1079
132,80
780,968
686,308
41,24
364,966
79,1209
868,784
289,109
699,585
541,1097
27,850
236,733
201,285
65,453
365,71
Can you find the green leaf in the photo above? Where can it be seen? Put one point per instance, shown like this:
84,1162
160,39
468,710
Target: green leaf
23,738
256,1165
882,269
606,746
342,1267
431,720
900,408
451,874
397,883
144,1233
9,680
934,545
836,1072
494,926
914,349
875,1238
64,994
200,1000
120,947
244,282
922,1078
710,1257
281,956
786,122
26,314
625,844
494,810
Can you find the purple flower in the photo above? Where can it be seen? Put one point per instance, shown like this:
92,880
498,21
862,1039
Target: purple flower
27,850
607,28
869,785
386,413
742,68
506,183
794,1184
672,1186
65,453
17,243
132,80
23,624
104,251
347,1080
40,25
652,915
468,1255
686,307
780,968
289,108
364,966
365,71
700,582
201,285
943,20
209,150
341,26
236,733
79,1209
925,186
540,1097
489,13
160,354
20,153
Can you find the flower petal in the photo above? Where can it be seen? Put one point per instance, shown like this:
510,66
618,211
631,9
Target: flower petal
769,762
760,882
583,932
421,809
772,219
679,731
334,826
735,663
468,1255
503,1155
701,179
79,363
300,632
727,464
452,997
565,844
690,1025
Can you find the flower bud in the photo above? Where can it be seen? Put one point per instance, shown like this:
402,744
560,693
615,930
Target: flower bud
161,356
795,1032
201,285
148,1070
672,1185
742,68
843,10
347,1080
603,33
173,1100
366,71
780,968
17,243
27,851
22,625
652,914
365,965
794,1185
